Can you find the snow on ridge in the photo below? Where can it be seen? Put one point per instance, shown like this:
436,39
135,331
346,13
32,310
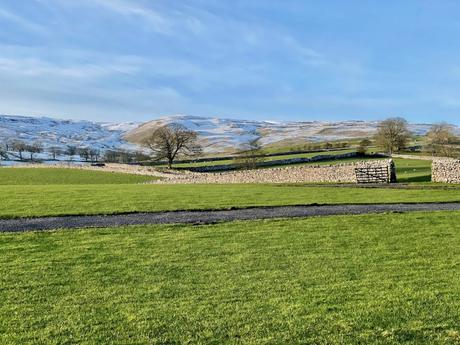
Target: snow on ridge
222,133
61,133
122,126
217,134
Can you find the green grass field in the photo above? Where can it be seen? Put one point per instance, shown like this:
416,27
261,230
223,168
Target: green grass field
62,176
413,170
380,279
29,201
272,158
50,192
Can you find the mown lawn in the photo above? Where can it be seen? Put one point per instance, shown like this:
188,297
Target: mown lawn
374,279
47,200
60,176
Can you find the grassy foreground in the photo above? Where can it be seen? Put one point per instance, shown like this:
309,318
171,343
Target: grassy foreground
29,201
350,279
60,176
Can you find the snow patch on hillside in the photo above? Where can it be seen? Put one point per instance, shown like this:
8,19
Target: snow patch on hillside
216,134
219,134
52,132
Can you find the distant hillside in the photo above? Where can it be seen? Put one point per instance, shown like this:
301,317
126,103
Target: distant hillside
216,135
219,135
60,133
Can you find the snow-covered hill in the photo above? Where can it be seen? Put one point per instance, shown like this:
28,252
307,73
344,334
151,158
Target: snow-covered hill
219,135
216,134
50,132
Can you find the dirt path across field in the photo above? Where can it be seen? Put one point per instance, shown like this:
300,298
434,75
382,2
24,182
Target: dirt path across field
209,217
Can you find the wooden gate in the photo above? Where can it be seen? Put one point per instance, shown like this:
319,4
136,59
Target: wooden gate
373,175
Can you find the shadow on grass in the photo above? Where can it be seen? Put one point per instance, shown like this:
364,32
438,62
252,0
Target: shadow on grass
423,178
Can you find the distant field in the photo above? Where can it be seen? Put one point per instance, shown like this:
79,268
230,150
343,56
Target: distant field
47,200
297,146
413,170
379,279
57,176
272,158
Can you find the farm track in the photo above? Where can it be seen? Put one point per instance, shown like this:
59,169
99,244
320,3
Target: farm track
212,216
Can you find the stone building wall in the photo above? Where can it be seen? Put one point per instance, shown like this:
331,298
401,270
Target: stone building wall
445,170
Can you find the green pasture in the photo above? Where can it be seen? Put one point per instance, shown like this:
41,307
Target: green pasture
271,158
50,191
373,279
63,176
51,200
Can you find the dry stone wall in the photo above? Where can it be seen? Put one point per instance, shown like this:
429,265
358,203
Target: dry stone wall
274,163
445,170
339,173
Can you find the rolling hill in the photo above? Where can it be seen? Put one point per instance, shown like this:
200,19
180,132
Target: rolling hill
220,135
216,134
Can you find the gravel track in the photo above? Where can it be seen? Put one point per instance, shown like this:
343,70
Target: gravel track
209,217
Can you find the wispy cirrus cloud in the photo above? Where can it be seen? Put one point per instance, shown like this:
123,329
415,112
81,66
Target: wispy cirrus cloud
22,22
135,10
231,58
35,67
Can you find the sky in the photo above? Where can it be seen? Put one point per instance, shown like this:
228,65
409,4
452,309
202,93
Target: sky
137,60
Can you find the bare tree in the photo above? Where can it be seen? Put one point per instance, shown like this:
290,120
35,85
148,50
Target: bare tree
171,141
71,151
94,155
140,156
119,156
250,155
8,145
441,137
33,149
84,152
19,146
55,151
3,151
111,156
392,134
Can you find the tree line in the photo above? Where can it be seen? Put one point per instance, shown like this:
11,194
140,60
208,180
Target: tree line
393,135
21,150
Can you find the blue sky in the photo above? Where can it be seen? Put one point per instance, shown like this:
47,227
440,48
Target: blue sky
124,60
